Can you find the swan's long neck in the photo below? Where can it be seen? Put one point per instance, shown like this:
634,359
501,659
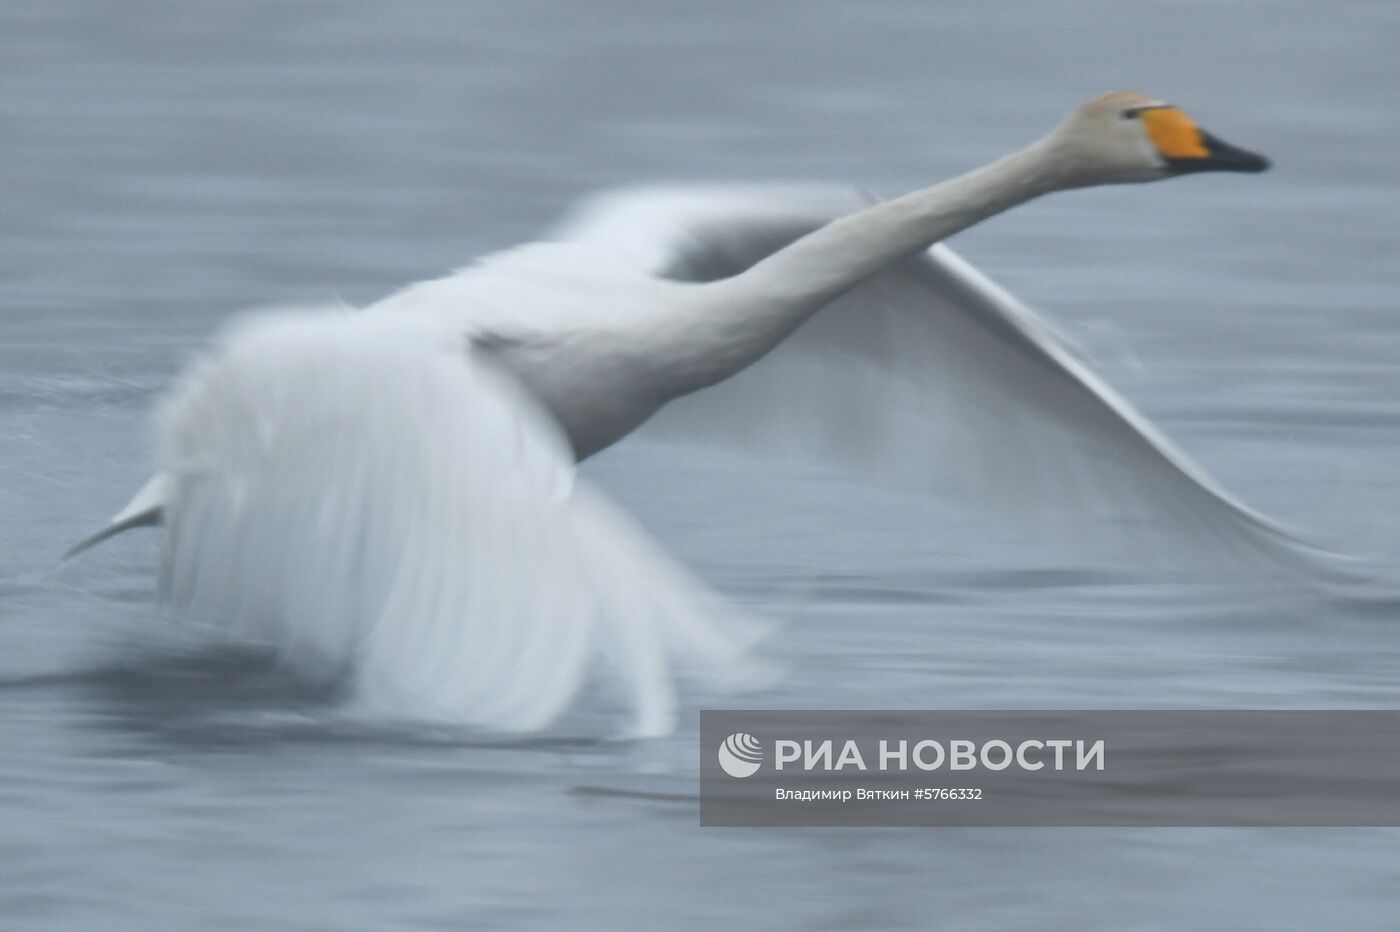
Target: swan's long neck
740,319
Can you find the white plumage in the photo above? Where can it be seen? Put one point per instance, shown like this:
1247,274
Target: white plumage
369,493
931,377
391,493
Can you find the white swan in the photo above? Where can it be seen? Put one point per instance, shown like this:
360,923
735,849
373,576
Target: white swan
393,491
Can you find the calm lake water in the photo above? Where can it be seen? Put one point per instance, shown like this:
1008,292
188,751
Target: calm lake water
165,164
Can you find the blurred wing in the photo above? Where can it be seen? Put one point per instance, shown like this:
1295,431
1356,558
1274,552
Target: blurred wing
368,496
927,374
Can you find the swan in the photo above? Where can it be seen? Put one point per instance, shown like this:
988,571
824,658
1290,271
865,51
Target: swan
391,492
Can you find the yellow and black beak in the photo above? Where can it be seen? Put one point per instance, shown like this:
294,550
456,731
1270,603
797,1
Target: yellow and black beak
1220,157
1185,147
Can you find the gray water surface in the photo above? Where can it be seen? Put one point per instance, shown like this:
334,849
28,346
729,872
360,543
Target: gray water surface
166,164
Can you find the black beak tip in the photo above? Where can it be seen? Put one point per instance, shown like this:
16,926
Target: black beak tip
1225,157
1254,163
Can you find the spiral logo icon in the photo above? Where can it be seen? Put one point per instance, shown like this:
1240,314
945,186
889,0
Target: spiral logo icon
740,755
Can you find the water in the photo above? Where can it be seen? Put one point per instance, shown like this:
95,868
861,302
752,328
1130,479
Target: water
165,164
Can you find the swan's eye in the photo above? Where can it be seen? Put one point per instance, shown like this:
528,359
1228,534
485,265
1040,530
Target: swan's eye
1133,113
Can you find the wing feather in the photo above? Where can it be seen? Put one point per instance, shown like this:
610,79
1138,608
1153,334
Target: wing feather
932,377
372,498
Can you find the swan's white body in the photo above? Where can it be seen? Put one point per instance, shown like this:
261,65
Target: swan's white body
393,490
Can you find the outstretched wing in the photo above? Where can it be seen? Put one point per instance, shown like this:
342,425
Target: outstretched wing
927,374
369,496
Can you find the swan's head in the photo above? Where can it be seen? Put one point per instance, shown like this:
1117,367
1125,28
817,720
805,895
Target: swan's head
1125,136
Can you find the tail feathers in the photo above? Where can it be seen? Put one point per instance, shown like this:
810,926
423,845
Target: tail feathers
144,510
369,497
